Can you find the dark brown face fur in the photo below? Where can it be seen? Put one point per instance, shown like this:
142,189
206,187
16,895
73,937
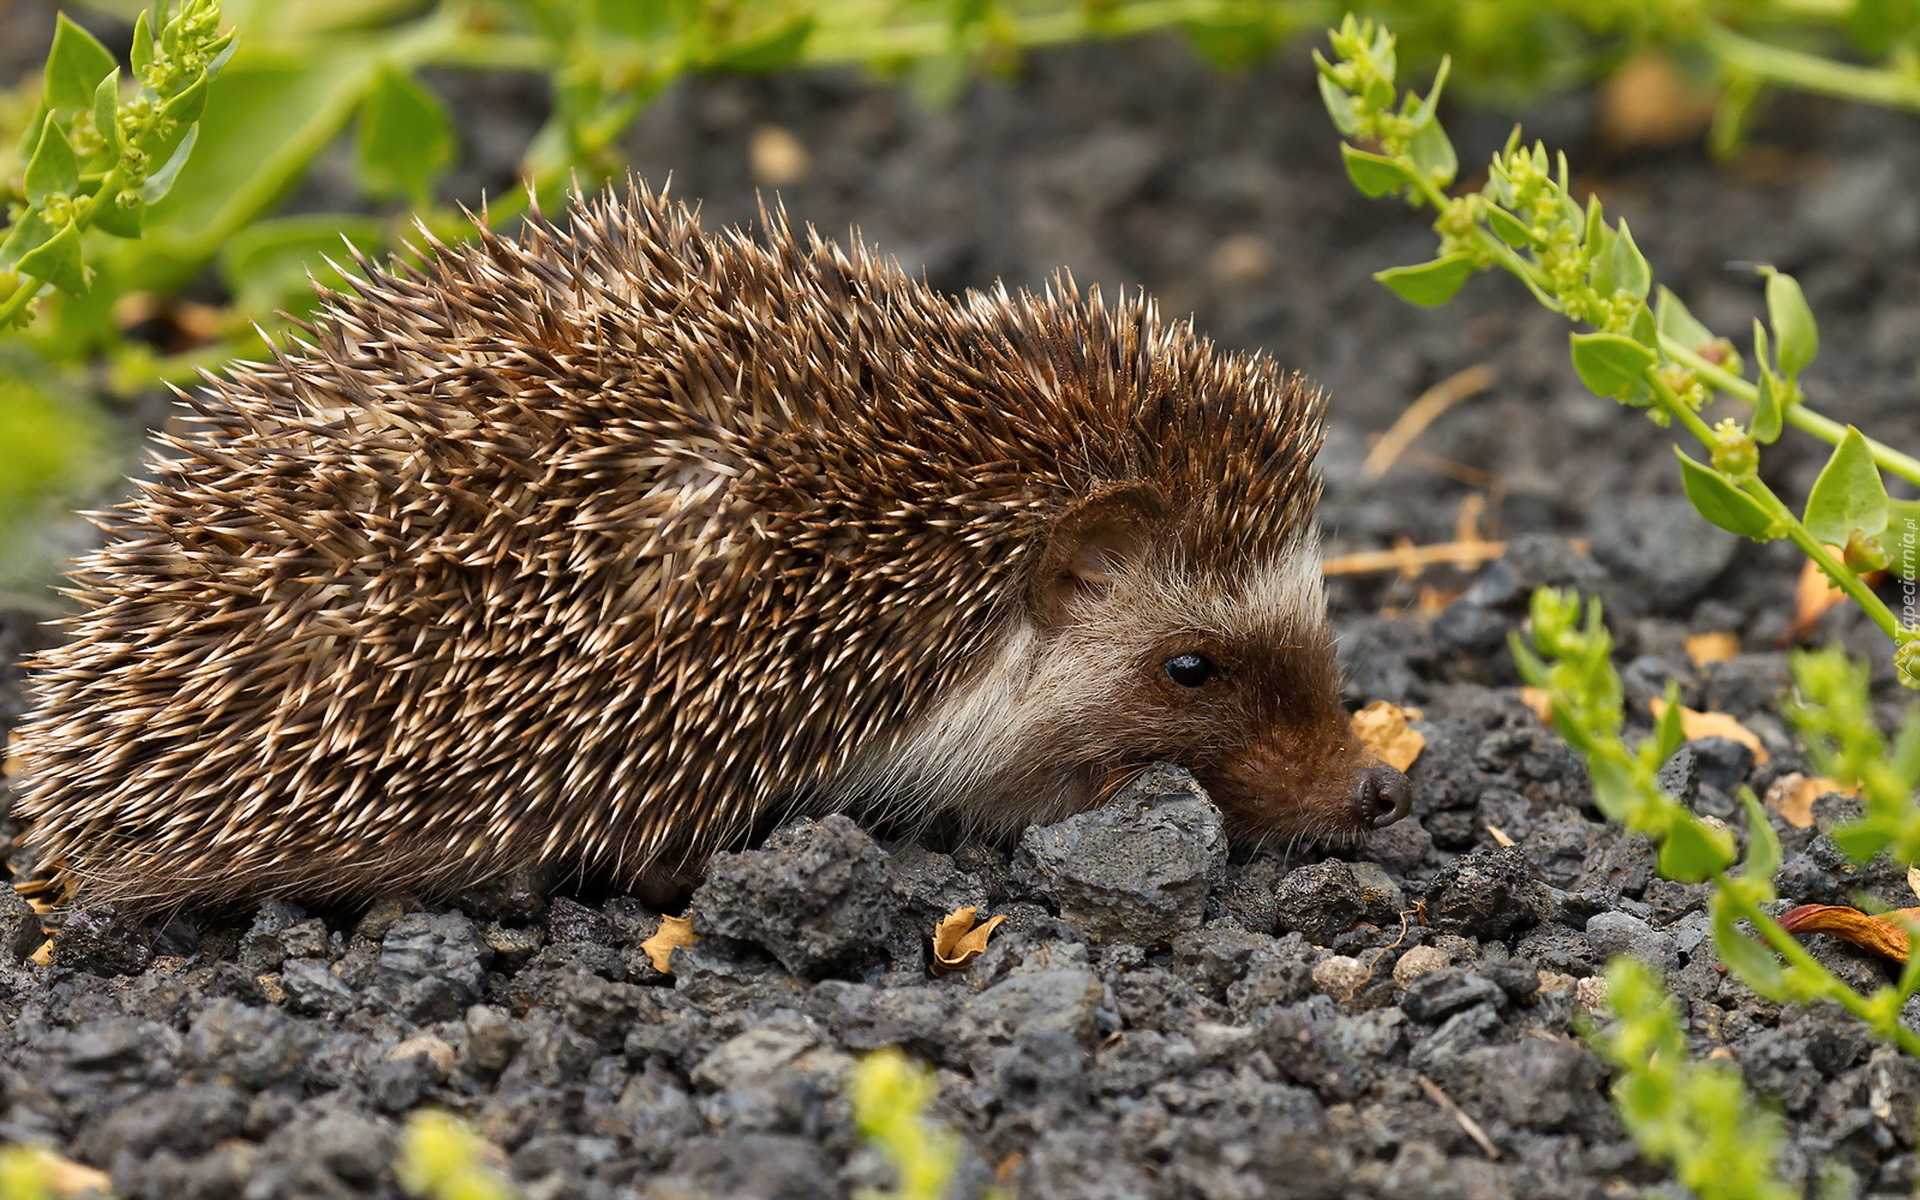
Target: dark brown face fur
1262,727
1226,669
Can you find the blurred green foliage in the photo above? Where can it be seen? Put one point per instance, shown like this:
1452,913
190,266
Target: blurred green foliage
127,183
1694,1115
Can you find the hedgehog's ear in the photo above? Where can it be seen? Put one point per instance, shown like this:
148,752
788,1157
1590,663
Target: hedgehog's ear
1092,545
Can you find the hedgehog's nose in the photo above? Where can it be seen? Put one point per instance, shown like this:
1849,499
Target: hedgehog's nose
1381,797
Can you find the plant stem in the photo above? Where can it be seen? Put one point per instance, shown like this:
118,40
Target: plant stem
1788,947
1810,72
1799,415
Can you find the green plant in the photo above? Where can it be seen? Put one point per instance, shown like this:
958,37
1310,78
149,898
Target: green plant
441,1159
890,1096
1656,358
1570,656
99,156
1695,1115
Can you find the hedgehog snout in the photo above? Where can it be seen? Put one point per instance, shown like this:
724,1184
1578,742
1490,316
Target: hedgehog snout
1381,796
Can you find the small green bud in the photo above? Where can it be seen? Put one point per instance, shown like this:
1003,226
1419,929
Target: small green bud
1906,663
1864,553
1735,453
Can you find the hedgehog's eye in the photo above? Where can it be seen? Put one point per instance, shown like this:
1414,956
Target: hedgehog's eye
1189,670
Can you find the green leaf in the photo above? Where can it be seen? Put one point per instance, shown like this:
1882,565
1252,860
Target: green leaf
53,169
141,55
1714,497
769,51
256,138
106,112
405,139
75,66
1769,408
1374,174
1433,154
58,261
1763,844
1430,283
1631,273
1668,734
23,235
120,220
1340,104
266,265
1609,363
1693,850
1792,321
1507,227
1670,315
1745,955
1849,495
161,182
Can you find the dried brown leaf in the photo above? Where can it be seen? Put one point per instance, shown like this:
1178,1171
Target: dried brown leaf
1885,935
1383,729
1712,724
1813,596
1649,102
1792,796
1704,648
674,932
1540,700
957,941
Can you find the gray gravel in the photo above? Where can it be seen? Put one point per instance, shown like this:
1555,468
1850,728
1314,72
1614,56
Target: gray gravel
1160,1016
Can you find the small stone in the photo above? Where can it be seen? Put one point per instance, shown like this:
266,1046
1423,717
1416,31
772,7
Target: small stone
1489,893
100,941
1326,899
1440,994
1418,961
20,930
1590,995
817,897
1138,869
1612,933
1065,1000
492,1038
434,1050
260,947
433,965
1340,976
309,987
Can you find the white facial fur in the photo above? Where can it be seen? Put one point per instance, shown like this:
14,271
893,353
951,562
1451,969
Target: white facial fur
1028,738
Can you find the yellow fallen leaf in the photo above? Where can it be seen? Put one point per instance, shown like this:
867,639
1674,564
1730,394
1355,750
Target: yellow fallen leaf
1704,648
1648,101
957,941
1792,796
37,1171
673,933
1812,596
1540,700
1383,729
1885,935
43,957
1499,835
1712,724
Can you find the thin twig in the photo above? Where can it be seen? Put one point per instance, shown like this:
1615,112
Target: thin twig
1422,413
1467,1124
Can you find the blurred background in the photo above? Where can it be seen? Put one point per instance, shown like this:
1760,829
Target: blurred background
1174,145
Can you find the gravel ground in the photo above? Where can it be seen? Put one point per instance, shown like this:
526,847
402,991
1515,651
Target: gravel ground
1173,1021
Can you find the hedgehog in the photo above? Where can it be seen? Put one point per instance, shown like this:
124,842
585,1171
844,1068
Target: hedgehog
600,548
